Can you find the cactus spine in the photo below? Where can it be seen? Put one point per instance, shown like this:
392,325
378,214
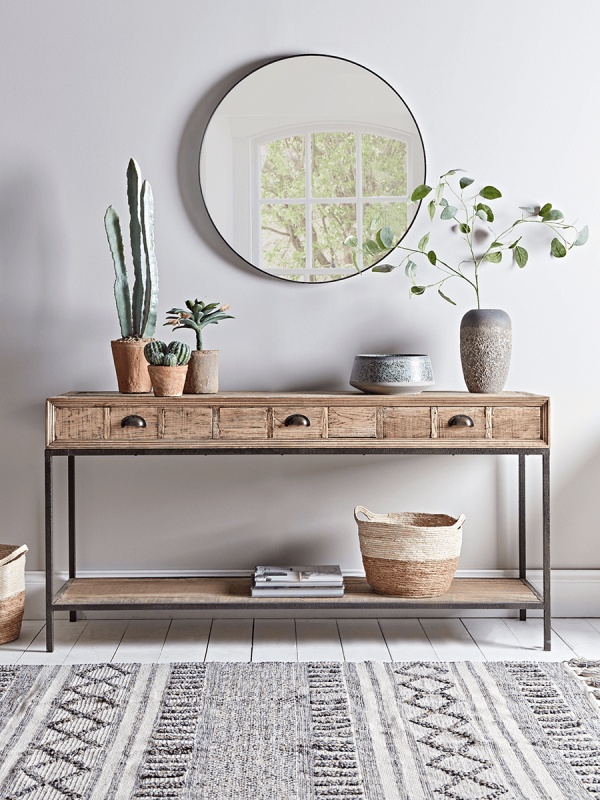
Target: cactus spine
177,354
137,312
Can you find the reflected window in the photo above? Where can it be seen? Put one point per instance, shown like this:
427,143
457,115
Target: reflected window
313,188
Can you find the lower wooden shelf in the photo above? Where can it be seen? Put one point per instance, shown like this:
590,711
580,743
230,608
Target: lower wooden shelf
116,594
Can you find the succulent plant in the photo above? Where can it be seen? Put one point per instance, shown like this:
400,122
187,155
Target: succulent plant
197,317
158,354
137,311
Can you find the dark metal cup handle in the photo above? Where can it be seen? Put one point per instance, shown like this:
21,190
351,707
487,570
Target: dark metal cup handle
461,421
133,421
297,419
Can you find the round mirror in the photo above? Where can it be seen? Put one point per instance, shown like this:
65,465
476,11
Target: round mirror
303,154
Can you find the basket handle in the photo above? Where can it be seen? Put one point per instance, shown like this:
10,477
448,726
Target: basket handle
362,510
15,554
459,522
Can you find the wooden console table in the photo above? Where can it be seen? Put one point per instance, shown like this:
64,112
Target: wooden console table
237,423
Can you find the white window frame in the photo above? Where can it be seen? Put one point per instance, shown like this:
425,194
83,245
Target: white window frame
308,200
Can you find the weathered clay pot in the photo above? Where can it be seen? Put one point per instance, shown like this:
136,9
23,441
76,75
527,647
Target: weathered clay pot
167,381
203,373
131,365
485,348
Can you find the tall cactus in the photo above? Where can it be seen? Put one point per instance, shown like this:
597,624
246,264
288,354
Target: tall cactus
137,312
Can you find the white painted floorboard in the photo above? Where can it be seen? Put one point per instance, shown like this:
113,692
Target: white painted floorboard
230,640
318,640
362,640
274,640
236,639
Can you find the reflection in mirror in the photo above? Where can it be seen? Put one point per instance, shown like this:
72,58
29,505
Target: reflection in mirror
304,153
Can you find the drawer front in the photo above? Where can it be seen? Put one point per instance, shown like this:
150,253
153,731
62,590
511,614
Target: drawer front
446,431
181,424
134,434
75,424
407,423
517,423
243,423
316,430
352,423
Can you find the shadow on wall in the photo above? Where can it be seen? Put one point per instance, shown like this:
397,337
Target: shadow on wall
188,159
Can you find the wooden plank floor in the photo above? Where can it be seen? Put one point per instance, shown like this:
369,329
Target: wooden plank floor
235,639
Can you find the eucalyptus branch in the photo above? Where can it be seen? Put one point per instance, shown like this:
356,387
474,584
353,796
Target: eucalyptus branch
476,212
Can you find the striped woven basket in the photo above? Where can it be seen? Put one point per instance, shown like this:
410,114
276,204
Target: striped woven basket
12,591
409,554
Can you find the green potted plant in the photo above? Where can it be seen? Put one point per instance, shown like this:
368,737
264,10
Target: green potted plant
203,372
485,334
136,310
167,367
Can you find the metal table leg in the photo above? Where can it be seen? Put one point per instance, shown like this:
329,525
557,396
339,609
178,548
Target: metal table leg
546,547
49,559
71,492
522,529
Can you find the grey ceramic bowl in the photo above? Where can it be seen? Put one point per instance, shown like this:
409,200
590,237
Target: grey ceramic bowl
392,374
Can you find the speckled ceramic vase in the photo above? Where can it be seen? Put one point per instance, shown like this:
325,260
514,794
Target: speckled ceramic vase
485,348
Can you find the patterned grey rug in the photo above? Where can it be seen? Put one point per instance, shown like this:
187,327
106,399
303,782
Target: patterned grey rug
404,731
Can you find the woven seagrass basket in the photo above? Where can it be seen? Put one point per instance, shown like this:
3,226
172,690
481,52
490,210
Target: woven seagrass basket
409,554
12,591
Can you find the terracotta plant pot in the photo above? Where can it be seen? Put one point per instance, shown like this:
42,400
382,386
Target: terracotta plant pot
167,381
131,365
203,373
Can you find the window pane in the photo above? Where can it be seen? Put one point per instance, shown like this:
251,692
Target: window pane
383,166
393,214
332,224
333,164
282,168
283,237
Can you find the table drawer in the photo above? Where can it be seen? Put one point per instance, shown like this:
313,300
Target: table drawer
352,423
523,424
118,433
77,424
185,423
315,415
475,413
243,423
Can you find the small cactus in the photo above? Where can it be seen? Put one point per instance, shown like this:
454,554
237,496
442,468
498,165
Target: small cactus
181,350
177,354
154,352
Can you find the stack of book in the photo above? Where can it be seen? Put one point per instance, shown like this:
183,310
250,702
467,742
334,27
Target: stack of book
324,581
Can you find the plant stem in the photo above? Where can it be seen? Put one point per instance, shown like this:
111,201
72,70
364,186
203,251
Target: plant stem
198,338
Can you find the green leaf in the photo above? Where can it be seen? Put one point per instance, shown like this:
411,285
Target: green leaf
441,294
444,202
377,221
385,237
439,192
582,237
432,257
494,258
355,261
557,248
351,242
464,182
521,256
410,270
420,192
417,289
383,268
514,244
496,244
449,212
529,209
489,214
463,227
431,209
544,209
423,242
451,172
552,215
482,215
490,193
371,247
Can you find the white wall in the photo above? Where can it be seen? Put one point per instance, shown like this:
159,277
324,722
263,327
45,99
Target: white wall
505,89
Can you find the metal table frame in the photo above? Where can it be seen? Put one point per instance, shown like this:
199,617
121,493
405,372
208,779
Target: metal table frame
71,454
